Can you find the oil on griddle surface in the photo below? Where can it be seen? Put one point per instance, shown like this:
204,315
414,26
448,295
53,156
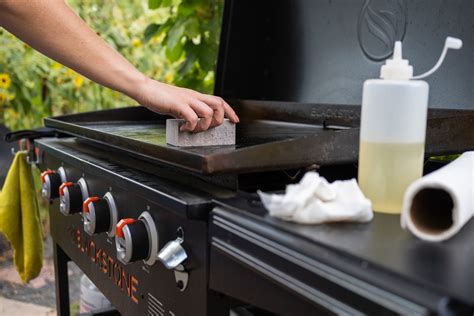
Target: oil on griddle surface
149,133
248,133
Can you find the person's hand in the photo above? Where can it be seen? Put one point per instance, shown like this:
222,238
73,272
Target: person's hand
200,111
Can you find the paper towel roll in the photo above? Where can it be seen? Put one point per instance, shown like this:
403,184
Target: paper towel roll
438,205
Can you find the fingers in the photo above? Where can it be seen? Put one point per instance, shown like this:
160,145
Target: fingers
230,113
215,104
202,112
205,114
197,114
191,118
220,108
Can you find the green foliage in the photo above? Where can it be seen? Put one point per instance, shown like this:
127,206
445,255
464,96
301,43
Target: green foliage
174,41
189,35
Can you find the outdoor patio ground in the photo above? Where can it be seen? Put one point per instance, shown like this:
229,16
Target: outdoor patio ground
38,296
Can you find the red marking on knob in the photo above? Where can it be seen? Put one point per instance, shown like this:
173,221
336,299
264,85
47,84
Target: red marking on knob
121,224
45,173
63,186
85,204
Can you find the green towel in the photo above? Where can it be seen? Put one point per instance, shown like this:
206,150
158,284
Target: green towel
20,218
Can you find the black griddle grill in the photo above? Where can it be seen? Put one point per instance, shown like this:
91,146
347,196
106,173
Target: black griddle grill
272,136
293,70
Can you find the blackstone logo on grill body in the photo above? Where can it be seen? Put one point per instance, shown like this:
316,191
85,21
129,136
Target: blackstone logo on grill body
381,23
113,269
328,114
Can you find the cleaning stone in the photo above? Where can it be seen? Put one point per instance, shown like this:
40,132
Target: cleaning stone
223,134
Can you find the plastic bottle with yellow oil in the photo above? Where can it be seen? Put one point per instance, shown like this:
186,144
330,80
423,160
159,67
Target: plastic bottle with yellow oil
393,128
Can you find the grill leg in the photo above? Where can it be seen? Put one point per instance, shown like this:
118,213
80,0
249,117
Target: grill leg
62,281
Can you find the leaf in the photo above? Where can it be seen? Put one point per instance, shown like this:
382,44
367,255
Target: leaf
207,61
175,53
154,4
191,80
188,64
203,54
186,8
191,28
167,3
176,32
36,101
150,31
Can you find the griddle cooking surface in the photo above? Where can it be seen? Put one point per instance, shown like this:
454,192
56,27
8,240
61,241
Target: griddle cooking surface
251,133
149,133
271,136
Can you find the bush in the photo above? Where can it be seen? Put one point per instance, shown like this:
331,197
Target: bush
174,41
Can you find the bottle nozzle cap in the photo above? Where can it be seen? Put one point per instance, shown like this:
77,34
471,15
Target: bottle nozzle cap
397,51
453,43
396,68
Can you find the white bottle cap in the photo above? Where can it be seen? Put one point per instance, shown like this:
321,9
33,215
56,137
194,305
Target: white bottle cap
450,43
396,68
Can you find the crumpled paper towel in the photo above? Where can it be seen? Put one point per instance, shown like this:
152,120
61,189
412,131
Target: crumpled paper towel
315,201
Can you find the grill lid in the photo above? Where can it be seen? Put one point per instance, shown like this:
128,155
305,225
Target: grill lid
319,51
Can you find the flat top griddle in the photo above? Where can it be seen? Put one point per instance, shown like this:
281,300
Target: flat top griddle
313,68
272,136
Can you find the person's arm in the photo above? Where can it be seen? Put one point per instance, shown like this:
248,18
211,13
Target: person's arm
52,28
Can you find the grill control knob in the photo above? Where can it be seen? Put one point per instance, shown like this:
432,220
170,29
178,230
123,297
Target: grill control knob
50,183
100,215
71,196
137,239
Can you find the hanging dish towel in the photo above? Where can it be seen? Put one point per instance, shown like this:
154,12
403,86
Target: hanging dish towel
20,219
315,201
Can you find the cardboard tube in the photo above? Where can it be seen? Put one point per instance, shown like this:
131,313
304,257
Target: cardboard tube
438,205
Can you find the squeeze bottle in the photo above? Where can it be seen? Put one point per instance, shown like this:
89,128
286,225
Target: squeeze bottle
393,129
